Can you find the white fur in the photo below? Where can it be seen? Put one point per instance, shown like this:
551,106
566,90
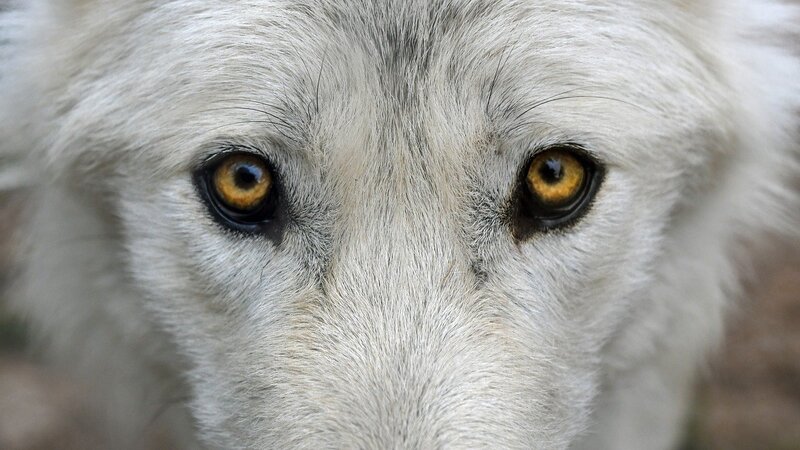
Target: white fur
397,311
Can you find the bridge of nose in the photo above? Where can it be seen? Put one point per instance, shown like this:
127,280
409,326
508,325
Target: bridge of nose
400,213
412,356
400,345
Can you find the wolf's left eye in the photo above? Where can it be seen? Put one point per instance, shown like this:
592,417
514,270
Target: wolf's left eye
242,182
555,178
557,186
239,189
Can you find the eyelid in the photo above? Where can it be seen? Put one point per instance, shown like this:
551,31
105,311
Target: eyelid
218,151
579,149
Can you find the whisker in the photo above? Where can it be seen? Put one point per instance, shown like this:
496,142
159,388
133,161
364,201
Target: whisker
251,100
505,57
319,80
267,122
300,58
528,123
245,108
572,97
292,130
309,114
540,102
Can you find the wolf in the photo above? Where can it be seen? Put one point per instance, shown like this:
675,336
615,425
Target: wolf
392,224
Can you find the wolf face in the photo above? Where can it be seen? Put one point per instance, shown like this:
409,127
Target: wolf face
372,224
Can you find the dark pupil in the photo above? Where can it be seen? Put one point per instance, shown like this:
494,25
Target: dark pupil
551,171
246,176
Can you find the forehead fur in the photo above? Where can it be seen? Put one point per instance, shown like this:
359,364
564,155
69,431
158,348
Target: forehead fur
388,71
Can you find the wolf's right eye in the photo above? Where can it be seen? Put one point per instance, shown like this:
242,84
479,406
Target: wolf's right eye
555,178
239,189
556,188
242,182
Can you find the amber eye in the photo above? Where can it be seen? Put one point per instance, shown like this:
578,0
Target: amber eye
555,177
239,188
242,182
557,186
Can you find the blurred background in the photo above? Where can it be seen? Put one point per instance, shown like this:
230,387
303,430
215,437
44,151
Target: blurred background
748,397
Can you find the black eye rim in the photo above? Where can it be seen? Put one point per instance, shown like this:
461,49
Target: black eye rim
257,220
531,216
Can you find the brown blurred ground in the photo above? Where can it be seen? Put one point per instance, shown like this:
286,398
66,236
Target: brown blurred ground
751,399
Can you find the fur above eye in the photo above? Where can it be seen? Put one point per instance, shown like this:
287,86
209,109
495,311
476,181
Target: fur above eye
556,187
239,189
